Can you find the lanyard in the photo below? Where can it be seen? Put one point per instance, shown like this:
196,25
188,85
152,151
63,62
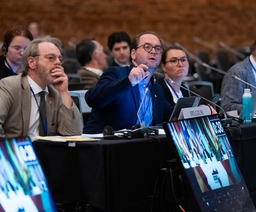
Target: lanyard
13,73
44,122
252,64
169,84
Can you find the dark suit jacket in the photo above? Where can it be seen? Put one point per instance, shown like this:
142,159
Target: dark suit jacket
168,94
4,71
89,78
115,102
112,62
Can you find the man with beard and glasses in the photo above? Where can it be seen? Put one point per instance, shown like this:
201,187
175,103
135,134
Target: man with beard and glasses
21,106
128,96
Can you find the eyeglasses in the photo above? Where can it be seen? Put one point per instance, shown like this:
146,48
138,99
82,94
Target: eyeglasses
52,57
148,48
175,61
18,48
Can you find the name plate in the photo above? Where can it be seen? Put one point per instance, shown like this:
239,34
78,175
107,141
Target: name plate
193,112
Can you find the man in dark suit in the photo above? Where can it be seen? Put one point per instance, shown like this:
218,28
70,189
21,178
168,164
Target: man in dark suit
128,96
91,56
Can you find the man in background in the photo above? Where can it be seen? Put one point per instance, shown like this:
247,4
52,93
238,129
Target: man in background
232,89
119,46
92,58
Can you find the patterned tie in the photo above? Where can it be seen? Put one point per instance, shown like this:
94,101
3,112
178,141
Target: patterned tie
43,119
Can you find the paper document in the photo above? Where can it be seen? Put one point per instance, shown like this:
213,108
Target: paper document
66,138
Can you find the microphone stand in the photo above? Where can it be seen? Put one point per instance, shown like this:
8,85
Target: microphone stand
204,43
199,61
236,53
236,77
225,121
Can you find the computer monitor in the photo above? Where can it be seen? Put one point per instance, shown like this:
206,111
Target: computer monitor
23,186
206,158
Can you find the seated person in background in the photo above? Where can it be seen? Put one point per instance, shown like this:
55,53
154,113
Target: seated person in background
175,66
232,89
34,28
15,42
20,112
119,46
128,96
92,58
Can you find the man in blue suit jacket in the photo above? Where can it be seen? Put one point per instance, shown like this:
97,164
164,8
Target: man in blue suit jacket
122,91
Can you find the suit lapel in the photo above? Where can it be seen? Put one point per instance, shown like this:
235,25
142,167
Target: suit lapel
25,104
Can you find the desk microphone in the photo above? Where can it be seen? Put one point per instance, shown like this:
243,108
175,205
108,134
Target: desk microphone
236,77
225,121
140,130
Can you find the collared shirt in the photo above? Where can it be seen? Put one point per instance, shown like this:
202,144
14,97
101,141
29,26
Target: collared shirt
254,66
94,70
121,64
35,103
175,95
145,111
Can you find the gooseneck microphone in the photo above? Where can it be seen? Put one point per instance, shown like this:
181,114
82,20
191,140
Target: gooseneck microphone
225,121
233,51
199,61
236,77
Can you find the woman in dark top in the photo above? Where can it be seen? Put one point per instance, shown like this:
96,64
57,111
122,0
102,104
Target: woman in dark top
15,42
174,64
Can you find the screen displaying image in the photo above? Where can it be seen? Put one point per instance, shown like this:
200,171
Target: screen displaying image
207,157
22,182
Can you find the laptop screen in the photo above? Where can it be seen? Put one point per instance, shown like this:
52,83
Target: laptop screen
22,181
207,158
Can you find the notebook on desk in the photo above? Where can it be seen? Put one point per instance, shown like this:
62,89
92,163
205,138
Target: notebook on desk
22,181
206,158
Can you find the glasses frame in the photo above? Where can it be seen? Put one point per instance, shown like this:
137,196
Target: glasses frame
52,57
178,61
18,49
160,51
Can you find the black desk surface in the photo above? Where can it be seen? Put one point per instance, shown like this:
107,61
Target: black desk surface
243,142
112,175
120,175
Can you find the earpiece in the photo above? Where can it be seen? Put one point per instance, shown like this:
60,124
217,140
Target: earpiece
4,47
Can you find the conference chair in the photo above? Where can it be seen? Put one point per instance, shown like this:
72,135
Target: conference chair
71,65
203,74
79,100
222,59
202,88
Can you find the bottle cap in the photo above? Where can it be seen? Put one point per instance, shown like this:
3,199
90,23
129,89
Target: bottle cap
247,90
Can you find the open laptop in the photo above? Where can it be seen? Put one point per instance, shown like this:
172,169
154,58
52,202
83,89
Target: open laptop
23,186
184,102
207,161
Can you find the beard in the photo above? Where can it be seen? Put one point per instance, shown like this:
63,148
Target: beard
44,74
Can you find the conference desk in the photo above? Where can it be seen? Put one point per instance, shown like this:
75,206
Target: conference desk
243,142
111,175
120,175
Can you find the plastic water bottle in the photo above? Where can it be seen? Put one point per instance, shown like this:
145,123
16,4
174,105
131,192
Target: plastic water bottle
247,106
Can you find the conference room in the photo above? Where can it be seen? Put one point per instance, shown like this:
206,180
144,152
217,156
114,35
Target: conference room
148,168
